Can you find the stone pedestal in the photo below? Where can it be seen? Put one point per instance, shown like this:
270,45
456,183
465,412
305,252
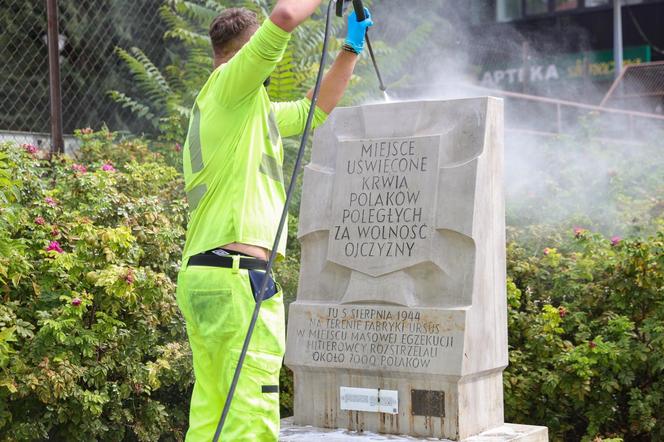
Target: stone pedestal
400,325
504,433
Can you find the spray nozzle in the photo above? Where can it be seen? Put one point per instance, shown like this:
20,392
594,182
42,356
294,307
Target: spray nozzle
357,5
359,12
340,8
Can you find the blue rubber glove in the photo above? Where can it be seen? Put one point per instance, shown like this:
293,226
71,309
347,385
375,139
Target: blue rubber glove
357,30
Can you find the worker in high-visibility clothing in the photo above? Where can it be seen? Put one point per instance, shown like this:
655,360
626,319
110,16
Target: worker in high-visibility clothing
234,183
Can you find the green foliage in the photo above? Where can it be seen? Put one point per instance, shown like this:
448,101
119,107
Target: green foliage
585,305
168,95
92,346
586,336
161,105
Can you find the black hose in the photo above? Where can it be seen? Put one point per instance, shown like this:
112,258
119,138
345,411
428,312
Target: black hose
361,16
381,84
282,223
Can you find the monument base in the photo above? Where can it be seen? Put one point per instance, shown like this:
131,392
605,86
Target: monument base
457,411
504,433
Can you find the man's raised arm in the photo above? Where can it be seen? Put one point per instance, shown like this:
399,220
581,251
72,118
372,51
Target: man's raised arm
292,116
337,78
288,14
247,68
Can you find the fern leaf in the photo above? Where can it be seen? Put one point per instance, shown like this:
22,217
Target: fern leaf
139,109
202,13
148,78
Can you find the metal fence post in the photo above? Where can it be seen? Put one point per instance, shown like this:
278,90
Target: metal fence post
617,37
57,140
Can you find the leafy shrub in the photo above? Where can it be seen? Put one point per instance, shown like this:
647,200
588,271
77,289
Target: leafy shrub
585,306
92,346
586,335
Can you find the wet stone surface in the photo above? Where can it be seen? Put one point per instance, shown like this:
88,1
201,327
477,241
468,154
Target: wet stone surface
400,326
504,433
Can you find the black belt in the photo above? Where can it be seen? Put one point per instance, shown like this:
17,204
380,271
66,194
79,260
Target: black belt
212,260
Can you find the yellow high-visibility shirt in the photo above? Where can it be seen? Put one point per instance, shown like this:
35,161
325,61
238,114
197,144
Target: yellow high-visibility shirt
233,155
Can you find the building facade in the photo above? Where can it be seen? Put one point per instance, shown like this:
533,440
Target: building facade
559,48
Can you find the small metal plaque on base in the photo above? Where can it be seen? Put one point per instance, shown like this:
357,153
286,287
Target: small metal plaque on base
427,403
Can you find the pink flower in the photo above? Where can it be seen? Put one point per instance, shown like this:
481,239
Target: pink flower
615,240
178,147
30,148
40,221
129,277
86,131
76,302
54,246
108,167
578,231
562,311
546,251
50,201
79,168
592,344
55,231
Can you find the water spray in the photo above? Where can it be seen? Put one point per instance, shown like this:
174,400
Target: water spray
359,11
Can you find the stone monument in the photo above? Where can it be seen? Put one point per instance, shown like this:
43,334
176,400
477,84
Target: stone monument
400,325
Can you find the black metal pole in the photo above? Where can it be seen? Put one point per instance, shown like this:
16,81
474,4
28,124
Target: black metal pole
57,140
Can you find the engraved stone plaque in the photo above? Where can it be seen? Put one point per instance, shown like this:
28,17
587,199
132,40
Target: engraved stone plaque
383,203
376,337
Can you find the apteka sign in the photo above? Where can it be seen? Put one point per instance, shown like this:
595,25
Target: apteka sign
598,66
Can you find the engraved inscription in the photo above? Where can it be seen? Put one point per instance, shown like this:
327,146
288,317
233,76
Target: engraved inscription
376,337
383,203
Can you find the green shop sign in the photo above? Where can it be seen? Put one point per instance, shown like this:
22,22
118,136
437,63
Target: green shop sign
598,66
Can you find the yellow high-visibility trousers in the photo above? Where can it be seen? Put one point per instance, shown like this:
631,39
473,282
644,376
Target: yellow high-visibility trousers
217,304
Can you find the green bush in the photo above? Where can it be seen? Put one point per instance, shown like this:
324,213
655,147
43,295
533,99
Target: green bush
92,346
586,335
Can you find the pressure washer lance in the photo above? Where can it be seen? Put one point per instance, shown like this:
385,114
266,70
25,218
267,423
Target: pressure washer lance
359,11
